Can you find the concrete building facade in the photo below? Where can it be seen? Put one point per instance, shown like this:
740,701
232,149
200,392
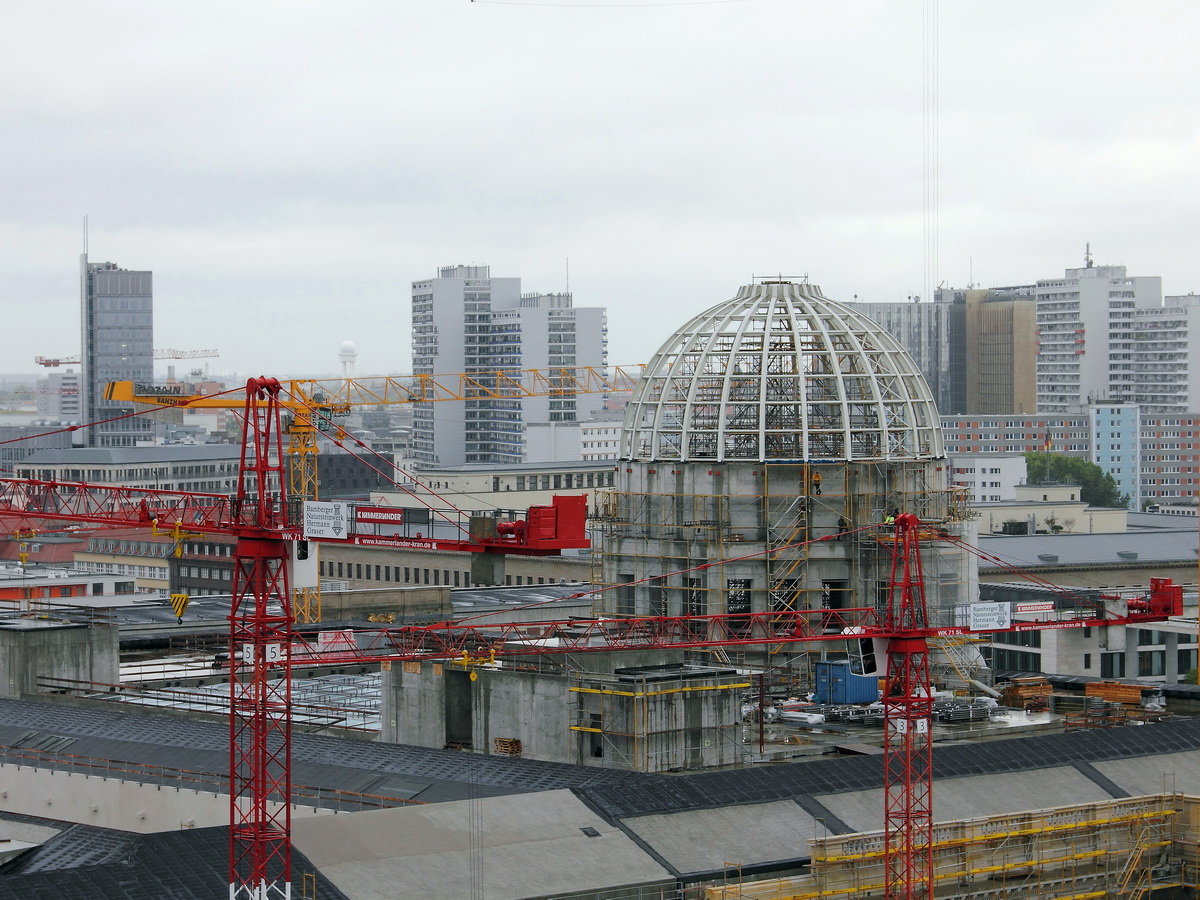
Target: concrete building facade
1001,351
651,718
1154,458
1087,336
206,468
117,342
464,320
934,332
988,477
58,396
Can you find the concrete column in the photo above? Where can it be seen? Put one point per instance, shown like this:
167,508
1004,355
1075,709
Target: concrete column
487,569
1131,653
1171,664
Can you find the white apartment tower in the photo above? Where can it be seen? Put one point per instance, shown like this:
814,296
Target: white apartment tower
58,396
466,321
1164,381
1088,345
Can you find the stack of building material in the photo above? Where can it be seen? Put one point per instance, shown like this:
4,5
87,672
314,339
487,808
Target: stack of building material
1032,692
1131,696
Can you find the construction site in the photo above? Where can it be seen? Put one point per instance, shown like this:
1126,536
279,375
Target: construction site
781,534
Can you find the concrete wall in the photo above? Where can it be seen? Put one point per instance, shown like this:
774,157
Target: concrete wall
109,802
433,704
431,603
658,726
33,649
597,720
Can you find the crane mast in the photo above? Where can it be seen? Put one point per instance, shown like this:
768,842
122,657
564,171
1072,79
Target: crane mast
908,713
260,744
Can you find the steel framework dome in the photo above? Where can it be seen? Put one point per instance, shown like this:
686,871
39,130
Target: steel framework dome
781,373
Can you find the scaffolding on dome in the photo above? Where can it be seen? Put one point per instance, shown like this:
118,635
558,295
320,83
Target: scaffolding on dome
772,537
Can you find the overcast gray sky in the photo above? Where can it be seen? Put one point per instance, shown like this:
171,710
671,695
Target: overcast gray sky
288,168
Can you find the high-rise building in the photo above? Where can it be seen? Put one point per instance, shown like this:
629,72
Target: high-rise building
467,321
58,396
1001,351
934,334
1088,344
1163,377
117,341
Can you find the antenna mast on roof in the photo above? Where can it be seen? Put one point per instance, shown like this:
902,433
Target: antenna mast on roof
1087,255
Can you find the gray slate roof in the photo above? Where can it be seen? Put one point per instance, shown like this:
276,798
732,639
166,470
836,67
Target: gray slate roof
1024,551
656,812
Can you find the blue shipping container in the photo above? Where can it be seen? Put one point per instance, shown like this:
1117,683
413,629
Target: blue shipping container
835,683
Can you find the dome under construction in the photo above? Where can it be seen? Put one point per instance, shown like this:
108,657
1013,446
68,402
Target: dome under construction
764,448
781,373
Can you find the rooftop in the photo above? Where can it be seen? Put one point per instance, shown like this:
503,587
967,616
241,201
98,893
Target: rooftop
531,815
1119,549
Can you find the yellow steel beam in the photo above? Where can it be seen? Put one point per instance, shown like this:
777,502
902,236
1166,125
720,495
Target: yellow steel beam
338,395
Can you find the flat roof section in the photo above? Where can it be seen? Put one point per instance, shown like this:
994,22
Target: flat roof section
746,835
528,845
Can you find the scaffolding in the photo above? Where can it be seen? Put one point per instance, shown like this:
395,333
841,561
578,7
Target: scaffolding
1137,847
677,538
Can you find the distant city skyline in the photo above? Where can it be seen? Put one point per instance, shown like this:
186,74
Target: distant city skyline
285,198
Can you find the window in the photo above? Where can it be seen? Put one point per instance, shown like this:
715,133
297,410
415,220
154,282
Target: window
625,595
1004,660
1151,663
1186,660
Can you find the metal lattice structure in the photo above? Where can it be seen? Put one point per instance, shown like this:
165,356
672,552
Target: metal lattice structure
781,372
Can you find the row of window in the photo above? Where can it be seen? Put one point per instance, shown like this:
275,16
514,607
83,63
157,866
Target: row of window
1150,663
417,575
161,573
196,548
564,481
212,573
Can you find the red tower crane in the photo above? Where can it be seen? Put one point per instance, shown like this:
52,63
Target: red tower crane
907,716
266,526
262,645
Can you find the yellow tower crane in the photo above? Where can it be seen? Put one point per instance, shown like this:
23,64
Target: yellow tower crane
318,405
